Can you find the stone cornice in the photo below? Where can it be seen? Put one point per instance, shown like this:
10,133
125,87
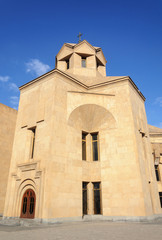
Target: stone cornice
127,78
93,93
49,73
155,135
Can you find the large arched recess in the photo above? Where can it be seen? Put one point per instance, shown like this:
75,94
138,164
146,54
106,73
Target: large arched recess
91,117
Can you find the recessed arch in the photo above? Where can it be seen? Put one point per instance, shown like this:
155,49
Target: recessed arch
27,181
24,185
91,117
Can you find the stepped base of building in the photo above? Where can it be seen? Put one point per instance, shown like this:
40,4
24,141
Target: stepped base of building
13,221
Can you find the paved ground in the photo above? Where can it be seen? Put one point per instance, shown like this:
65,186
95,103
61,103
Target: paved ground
85,231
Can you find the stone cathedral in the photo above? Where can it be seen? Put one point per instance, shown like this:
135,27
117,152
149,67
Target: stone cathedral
82,146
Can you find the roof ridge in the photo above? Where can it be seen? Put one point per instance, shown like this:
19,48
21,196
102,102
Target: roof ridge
154,127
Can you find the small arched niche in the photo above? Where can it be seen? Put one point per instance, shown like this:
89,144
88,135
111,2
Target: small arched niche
91,117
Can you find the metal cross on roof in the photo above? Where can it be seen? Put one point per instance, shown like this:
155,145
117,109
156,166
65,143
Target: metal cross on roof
79,36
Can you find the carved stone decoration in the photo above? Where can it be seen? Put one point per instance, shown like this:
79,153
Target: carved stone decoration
38,174
27,176
27,166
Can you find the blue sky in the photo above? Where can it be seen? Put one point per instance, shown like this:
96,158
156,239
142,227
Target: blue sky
129,33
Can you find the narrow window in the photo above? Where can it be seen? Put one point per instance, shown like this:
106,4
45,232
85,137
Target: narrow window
84,145
157,173
160,196
67,64
24,205
84,62
33,142
95,146
84,197
97,197
31,210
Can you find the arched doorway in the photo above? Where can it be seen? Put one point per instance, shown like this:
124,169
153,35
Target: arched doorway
28,204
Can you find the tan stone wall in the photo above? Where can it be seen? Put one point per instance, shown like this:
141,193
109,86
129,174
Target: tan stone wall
156,143
121,178
56,172
144,155
59,180
7,129
156,138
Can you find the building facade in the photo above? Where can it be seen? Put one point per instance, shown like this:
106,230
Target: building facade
7,129
82,144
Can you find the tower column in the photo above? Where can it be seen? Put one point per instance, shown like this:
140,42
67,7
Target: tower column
90,199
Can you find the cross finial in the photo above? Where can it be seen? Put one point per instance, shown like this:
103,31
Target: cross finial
79,36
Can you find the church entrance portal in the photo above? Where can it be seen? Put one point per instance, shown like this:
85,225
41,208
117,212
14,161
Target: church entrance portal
28,204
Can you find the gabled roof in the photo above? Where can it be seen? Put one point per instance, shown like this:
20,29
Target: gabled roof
82,42
87,82
96,49
154,130
75,45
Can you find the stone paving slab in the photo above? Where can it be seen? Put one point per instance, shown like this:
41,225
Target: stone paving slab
85,231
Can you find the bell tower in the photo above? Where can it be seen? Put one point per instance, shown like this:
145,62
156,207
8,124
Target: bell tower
81,59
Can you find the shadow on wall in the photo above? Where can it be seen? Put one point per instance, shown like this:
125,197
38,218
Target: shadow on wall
91,118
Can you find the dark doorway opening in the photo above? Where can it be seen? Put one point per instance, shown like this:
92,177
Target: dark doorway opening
97,197
85,198
28,204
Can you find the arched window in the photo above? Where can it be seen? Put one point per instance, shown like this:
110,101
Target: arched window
93,140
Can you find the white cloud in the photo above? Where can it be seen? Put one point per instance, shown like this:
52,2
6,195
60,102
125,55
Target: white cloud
14,100
158,101
4,78
13,87
37,67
